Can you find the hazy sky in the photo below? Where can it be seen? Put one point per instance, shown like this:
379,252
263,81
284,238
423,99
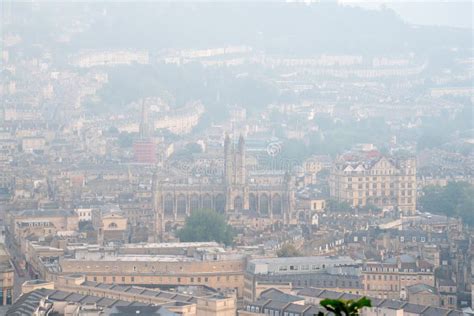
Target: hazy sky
423,12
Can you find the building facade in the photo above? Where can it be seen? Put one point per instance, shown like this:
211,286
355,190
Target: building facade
7,273
329,272
213,267
271,195
391,278
380,181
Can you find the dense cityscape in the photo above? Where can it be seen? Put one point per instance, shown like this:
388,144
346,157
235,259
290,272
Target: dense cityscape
163,158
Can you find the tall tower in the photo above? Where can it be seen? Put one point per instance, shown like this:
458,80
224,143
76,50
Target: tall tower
228,161
144,126
240,162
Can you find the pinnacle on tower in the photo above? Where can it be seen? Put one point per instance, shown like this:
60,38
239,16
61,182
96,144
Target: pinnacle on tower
241,144
144,128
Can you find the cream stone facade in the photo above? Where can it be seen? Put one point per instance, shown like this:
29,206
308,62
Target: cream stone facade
391,279
40,223
380,181
111,225
213,267
218,305
181,121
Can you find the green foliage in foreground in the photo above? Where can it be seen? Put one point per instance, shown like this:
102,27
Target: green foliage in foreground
345,308
206,225
456,199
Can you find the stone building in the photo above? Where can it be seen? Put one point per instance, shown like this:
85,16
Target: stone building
111,225
423,294
392,277
329,272
208,266
39,223
270,194
373,179
7,274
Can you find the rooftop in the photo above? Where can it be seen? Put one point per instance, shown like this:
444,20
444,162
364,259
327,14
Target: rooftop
136,258
172,245
299,260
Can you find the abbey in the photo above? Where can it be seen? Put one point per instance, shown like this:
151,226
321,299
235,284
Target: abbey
236,191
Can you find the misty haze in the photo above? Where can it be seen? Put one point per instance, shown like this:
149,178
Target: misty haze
195,158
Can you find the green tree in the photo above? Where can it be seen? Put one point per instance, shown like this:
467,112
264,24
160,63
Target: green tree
338,206
288,250
345,308
206,225
456,199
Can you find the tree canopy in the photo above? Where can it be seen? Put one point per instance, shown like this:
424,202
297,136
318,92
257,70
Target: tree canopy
338,206
456,199
345,308
288,250
206,225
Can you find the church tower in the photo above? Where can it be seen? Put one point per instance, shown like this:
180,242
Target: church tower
228,161
144,129
240,172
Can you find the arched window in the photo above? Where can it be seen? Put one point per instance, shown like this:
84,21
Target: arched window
238,203
181,205
207,202
168,207
276,204
219,202
112,225
264,203
252,202
194,203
